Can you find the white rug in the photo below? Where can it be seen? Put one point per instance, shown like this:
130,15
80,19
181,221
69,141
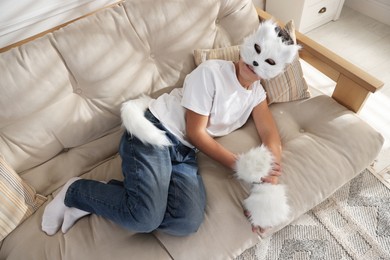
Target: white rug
354,223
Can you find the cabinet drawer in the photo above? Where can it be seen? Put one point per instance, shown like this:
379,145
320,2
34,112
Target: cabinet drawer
309,3
321,11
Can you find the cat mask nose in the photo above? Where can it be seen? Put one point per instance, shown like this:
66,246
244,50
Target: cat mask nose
255,63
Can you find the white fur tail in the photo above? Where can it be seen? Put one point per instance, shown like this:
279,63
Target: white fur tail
133,119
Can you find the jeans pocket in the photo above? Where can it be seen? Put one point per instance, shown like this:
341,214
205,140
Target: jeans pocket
185,154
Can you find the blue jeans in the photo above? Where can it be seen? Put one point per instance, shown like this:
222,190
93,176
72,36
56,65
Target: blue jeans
161,188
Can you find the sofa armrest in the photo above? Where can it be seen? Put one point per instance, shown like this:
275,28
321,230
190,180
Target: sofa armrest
353,85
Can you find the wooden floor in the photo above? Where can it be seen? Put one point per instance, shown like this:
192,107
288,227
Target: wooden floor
366,43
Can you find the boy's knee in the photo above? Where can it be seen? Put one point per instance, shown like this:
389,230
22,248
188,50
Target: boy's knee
143,220
186,227
194,225
186,224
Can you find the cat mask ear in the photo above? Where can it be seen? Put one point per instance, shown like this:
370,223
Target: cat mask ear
269,49
287,34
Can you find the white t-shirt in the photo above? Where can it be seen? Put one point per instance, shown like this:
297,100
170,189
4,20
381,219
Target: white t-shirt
212,90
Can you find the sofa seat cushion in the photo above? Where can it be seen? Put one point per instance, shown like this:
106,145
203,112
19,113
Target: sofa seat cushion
91,237
324,146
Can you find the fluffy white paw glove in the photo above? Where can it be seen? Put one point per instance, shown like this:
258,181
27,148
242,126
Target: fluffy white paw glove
267,203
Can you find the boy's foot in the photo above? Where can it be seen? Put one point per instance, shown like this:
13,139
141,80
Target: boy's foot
53,216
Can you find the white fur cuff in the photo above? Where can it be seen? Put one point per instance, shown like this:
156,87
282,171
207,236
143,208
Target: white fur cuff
267,203
254,164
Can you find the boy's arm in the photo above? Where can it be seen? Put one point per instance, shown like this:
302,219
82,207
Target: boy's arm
196,133
269,135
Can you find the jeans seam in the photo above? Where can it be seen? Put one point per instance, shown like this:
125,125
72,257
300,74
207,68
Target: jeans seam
133,207
77,193
173,210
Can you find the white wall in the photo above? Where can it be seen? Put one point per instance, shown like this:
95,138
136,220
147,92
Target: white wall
25,18
377,9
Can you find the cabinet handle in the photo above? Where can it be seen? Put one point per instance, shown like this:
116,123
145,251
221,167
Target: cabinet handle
322,10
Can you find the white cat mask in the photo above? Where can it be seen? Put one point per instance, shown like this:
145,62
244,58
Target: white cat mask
268,50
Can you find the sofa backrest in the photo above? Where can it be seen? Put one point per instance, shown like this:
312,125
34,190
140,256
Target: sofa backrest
65,89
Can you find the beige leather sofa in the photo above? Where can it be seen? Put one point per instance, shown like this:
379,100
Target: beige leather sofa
60,97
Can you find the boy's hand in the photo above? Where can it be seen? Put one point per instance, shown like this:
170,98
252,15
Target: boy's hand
255,229
273,177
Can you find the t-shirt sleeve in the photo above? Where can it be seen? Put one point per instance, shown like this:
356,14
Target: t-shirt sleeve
199,91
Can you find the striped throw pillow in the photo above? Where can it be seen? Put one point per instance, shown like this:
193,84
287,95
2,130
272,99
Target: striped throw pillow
287,86
231,53
18,200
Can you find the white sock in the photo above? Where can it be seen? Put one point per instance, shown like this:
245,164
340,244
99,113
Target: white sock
53,215
71,216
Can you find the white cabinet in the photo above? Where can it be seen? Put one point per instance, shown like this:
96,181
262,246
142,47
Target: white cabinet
307,14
